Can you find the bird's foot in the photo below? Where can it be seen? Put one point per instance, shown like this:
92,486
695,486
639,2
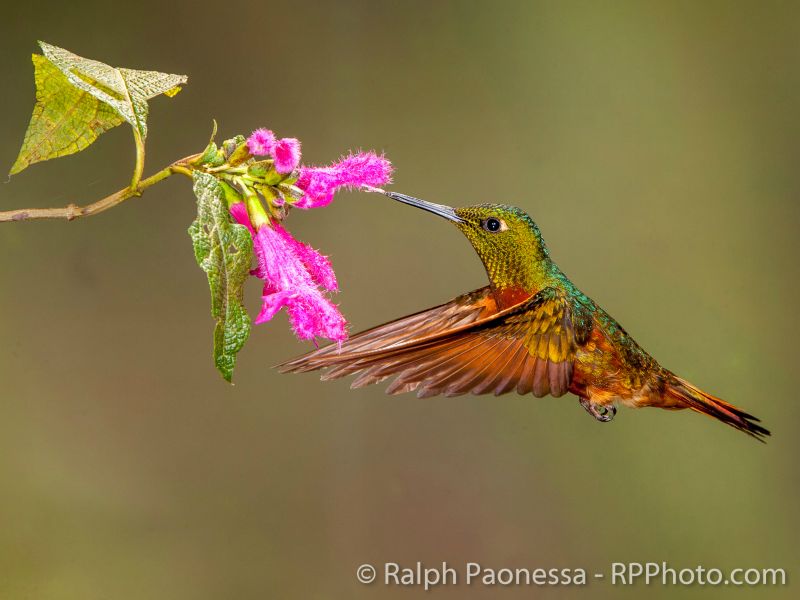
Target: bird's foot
603,413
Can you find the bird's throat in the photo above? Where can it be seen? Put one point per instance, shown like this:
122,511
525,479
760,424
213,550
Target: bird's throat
516,281
510,296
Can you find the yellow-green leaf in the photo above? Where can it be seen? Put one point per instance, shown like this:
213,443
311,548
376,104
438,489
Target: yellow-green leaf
77,99
65,119
125,90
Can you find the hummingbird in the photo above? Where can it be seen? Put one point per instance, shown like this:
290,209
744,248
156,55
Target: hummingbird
531,330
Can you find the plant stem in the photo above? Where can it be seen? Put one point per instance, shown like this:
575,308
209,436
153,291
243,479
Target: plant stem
138,169
73,211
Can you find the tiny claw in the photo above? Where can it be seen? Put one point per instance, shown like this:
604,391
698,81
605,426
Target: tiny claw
603,413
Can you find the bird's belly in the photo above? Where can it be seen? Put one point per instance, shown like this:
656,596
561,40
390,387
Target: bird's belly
601,375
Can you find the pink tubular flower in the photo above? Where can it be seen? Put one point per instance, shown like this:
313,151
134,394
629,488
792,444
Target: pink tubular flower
239,213
286,153
261,142
353,170
293,273
318,266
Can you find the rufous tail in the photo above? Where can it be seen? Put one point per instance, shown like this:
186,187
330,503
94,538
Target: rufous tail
685,394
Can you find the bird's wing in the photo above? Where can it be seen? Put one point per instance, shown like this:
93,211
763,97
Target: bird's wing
458,348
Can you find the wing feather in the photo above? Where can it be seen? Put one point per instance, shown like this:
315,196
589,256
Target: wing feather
460,311
464,346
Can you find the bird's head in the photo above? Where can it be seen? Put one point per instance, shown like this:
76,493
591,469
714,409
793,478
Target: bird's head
506,239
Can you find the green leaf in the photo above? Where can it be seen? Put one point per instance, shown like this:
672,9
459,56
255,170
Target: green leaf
65,119
212,156
223,250
125,90
77,99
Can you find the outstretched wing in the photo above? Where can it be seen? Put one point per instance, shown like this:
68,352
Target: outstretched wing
464,346
463,310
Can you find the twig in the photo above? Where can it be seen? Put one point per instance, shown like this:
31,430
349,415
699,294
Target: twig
73,211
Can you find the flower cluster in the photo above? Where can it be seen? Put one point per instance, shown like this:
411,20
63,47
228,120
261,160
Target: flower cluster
296,276
285,152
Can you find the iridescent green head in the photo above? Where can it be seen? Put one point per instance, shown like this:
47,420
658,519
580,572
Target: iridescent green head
506,239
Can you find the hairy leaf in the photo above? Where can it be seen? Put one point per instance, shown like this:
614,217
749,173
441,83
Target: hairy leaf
77,99
223,250
65,119
125,90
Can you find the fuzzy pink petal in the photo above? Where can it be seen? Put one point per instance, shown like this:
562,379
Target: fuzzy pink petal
316,316
289,282
318,265
353,170
364,168
274,259
319,185
261,142
239,213
286,154
271,304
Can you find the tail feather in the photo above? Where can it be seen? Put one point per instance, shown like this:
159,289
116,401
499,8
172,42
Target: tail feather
685,394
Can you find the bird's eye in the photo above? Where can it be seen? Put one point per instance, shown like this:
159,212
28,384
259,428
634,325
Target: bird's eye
493,225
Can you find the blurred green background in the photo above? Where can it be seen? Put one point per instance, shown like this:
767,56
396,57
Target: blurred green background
656,144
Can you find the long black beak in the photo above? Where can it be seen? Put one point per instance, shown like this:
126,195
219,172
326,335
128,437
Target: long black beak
438,209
